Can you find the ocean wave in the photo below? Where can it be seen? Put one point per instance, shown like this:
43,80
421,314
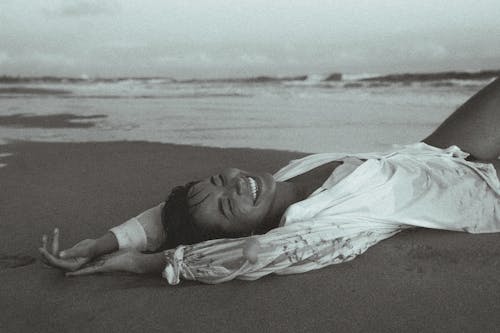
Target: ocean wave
6,79
172,96
163,80
308,79
358,76
256,79
168,88
439,76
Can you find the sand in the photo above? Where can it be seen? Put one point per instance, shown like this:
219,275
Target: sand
61,120
421,280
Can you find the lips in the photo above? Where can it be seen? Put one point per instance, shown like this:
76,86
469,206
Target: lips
254,188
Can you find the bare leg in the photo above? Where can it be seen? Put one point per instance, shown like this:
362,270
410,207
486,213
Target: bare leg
496,164
474,126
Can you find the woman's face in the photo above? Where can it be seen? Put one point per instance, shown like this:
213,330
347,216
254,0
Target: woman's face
234,200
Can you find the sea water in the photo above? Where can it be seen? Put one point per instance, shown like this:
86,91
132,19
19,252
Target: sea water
306,114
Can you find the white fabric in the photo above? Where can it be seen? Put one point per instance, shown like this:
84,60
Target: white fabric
349,164
130,235
413,186
144,232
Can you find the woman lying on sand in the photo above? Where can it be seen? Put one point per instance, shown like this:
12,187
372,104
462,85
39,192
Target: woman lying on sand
319,210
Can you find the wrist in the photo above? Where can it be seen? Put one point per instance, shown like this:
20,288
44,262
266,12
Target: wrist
151,263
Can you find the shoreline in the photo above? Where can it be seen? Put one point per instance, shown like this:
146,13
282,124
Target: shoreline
267,78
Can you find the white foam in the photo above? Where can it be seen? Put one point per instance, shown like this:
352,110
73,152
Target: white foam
358,76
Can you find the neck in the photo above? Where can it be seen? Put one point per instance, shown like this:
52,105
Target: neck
297,189
287,193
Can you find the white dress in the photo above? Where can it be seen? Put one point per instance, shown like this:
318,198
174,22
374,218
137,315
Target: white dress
359,205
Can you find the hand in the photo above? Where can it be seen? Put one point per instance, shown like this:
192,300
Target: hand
70,259
121,261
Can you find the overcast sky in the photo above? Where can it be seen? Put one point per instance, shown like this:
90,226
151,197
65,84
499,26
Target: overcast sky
209,38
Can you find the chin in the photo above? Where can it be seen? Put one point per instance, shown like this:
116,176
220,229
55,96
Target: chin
269,188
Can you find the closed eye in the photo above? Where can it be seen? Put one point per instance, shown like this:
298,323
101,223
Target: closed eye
230,206
217,180
221,209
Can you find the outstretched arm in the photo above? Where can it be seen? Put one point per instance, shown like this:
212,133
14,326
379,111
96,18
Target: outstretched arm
78,255
474,126
124,261
141,233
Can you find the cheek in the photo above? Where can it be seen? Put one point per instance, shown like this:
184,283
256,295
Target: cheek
246,209
204,216
253,218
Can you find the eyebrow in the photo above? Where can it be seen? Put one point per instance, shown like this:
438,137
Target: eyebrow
192,195
199,202
219,203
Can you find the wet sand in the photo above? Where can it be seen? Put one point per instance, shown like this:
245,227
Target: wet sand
61,120
421,280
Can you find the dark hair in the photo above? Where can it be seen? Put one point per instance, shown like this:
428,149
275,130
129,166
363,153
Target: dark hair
178,223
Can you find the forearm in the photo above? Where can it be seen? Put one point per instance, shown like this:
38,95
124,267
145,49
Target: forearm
151,263
143,233
107,243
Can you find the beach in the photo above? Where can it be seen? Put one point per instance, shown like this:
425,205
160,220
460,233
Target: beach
85,164
106,106
421,280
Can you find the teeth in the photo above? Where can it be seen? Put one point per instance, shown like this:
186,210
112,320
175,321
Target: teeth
253,187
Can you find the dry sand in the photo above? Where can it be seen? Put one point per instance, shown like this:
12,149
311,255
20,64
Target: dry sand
421,280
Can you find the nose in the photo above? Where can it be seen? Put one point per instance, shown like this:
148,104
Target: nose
239,185
234,181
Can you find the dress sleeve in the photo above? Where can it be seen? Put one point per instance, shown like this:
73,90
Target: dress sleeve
295,248
144,232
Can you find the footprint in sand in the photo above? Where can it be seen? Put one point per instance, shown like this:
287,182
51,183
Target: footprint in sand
14,261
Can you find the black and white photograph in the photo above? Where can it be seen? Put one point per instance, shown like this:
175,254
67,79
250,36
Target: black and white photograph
249,166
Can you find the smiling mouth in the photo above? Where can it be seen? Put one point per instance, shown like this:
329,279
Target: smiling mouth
254,188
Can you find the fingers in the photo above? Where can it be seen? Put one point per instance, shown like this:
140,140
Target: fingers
48,257
97,267
83,248
67,254
44,246
51,260
51,257
84,271
55,243
75,251
44,242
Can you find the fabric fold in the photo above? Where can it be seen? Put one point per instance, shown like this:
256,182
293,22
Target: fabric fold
411,186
